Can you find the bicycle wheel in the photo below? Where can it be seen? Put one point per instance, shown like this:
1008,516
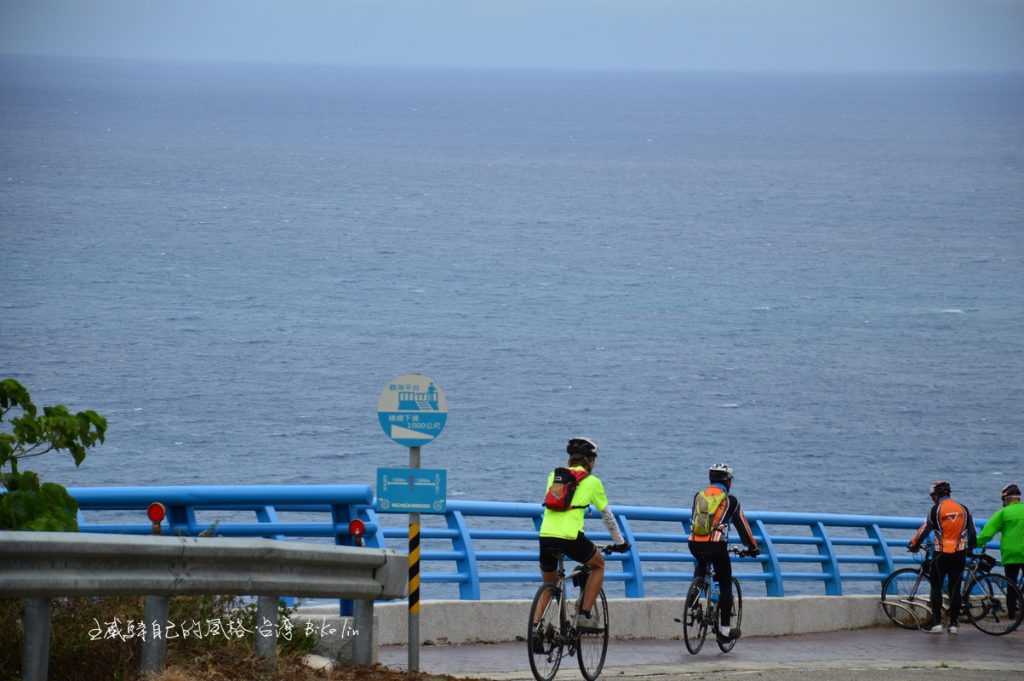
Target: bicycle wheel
695,624
592,642
544,639
725,645
992,614
905,598
975,608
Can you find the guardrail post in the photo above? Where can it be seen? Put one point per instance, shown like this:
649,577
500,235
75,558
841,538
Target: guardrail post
181,520
773,584
833,584
373,539
266,630
635,584
341,514
362,622
154,646
881,549
268,514
469,590
35,649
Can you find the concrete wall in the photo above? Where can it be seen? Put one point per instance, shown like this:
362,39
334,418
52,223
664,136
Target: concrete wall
505,620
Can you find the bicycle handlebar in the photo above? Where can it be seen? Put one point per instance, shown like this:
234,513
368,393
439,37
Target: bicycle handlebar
614,548
743,553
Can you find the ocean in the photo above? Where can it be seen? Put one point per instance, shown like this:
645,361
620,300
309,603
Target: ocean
815,278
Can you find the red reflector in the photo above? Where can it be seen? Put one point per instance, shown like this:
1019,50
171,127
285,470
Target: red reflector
156,512
357,528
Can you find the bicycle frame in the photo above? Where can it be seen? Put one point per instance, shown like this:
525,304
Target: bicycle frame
919,604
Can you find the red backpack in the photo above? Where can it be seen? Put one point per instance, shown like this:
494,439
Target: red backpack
563,487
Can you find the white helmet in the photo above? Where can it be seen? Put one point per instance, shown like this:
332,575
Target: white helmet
582,446
720,472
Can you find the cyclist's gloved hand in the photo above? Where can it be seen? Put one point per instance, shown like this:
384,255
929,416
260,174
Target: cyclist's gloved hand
752,553
617,548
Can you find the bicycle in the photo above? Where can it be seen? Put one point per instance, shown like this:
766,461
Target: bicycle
985,596
555,634
701,611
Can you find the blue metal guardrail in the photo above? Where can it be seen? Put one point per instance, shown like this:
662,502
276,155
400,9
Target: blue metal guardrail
823,542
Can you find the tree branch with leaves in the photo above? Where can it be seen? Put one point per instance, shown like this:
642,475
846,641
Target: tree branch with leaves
26,434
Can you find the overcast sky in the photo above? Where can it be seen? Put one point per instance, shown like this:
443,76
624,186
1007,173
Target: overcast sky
622,34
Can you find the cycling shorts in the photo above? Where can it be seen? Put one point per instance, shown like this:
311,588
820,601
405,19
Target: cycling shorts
579,549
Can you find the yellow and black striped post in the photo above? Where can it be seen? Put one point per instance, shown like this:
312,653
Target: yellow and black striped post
414,576
414,566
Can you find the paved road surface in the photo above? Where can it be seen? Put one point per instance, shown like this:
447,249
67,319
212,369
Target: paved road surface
880,654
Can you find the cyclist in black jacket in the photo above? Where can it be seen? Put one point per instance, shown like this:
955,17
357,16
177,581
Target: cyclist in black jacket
714,509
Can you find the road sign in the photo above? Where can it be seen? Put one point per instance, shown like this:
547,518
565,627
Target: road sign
412,410
411,490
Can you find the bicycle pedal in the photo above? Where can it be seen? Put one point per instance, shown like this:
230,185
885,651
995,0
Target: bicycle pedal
676,619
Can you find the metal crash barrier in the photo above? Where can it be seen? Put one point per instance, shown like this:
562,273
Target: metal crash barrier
39,565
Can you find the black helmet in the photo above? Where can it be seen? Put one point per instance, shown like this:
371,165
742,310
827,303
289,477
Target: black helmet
1011,490
940,488
582,446
720,472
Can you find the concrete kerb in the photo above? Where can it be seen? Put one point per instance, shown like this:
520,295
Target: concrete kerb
632,618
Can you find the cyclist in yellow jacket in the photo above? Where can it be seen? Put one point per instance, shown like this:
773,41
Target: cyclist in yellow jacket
561,531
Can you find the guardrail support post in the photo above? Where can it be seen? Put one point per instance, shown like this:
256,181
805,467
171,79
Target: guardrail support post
362,622
635,584
469,590
266,630
154,648
773,584
181,520
268,514
341,515
374,539
881,549
833,584
35,651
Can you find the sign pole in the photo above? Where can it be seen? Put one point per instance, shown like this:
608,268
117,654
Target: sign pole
412,410
414,576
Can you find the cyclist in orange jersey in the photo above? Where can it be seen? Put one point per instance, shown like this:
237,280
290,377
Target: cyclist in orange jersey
714,510
955,535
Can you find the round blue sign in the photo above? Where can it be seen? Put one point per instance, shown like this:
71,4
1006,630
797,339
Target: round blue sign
412,410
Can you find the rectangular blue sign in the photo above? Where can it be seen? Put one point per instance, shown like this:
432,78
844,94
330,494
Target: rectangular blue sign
411,490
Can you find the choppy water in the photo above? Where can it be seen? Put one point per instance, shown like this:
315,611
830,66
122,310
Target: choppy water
815,278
